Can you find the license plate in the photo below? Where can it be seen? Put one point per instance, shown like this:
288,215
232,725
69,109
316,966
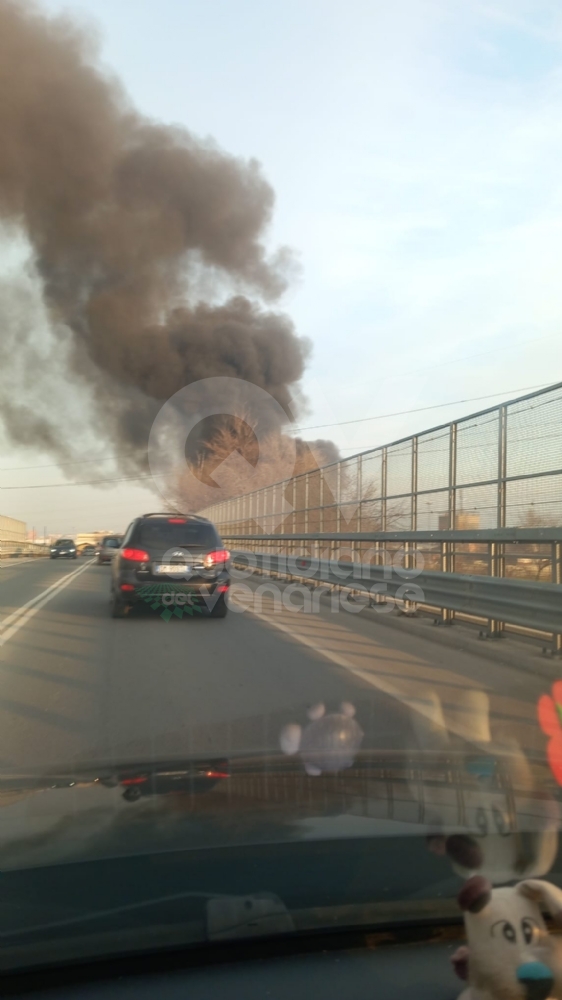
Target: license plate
172,569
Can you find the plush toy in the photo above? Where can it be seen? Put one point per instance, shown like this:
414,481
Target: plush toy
510,821
328,743
510,832
510,954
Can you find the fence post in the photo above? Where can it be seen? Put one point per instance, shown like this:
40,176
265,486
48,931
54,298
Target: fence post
494,627
447,556
338,499
453,476
502,488
557,578
359,490
410,549
414,511
384,464
446,613
378,595
497,553
502,466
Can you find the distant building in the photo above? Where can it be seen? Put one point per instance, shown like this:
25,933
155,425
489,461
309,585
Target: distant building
12,530
464,521
90,537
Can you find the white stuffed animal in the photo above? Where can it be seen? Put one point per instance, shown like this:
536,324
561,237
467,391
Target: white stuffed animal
328,743
510,954
510,817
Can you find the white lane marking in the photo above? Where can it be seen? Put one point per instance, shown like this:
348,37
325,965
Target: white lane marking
422,705
38,597
23,614
7,563
312,643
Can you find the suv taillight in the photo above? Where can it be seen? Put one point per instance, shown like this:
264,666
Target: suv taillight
215,558
135,555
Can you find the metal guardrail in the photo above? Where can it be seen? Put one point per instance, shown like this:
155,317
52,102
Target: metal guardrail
510,587
515,602
16,550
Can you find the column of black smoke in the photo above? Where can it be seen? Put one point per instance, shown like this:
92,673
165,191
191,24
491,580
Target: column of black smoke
125,217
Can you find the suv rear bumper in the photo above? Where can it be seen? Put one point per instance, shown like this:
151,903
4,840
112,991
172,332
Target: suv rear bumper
131,590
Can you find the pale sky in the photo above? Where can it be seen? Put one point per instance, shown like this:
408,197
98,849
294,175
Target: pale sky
415,151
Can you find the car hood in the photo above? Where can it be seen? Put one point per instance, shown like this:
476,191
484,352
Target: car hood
103,811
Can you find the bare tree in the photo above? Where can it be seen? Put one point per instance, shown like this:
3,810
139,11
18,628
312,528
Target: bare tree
235,461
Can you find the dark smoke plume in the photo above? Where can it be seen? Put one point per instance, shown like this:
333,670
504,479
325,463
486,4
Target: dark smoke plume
128,220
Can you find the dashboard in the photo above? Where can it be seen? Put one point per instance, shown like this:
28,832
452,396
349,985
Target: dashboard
415,971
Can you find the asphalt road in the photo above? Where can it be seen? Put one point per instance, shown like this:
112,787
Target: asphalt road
79,686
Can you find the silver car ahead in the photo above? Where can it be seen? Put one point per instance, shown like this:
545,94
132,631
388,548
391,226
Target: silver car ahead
108,547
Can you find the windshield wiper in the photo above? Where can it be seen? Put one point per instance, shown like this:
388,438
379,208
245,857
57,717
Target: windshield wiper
227,916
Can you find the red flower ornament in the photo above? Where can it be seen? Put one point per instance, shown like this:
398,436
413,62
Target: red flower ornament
549,712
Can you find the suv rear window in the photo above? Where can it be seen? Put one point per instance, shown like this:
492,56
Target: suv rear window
163,534
112,543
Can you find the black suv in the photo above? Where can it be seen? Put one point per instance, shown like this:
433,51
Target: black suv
63,548
171,560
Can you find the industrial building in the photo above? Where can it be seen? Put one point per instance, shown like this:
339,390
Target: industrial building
12,530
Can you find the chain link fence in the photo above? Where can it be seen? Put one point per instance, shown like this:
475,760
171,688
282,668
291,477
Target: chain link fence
498,468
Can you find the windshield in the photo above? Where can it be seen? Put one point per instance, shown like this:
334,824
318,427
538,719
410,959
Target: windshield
280,471
163,534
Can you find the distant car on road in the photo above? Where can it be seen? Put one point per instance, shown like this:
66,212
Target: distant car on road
178,558
88,550
109,546
63,547
175,778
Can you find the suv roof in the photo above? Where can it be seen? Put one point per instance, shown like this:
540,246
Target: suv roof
175,513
